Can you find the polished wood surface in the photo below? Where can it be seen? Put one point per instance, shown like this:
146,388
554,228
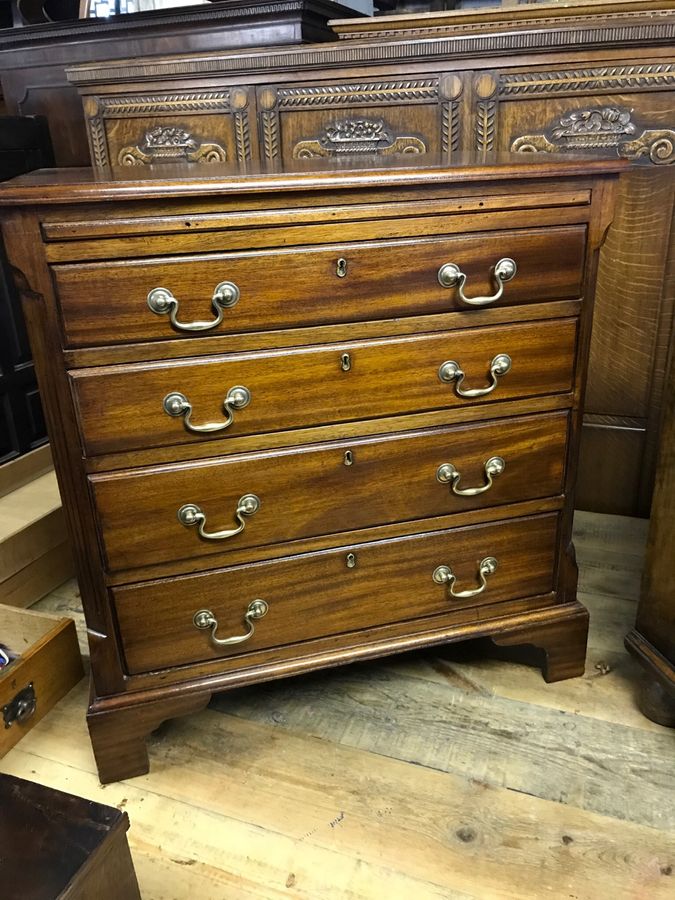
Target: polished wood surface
122,409
311,491
313,596
350,423
57,845
301,286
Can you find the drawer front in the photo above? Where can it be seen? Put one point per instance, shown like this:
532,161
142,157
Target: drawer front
107,303
125,408
325,489
334,592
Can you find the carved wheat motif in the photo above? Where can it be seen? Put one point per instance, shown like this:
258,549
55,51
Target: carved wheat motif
242,136
485,125
270,128
98,142
585,79
450,128
378,92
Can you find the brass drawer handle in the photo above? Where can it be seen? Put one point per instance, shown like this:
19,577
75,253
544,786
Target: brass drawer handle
205,619
445,575
177,404
190,514
451,371
161,301
450,275
448,474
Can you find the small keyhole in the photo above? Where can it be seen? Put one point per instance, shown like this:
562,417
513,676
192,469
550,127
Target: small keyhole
341,268
351,560
349,458
345,362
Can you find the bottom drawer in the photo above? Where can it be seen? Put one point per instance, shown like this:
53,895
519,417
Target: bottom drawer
47,666
332,592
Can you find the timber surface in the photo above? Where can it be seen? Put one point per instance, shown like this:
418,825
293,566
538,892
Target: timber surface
441,774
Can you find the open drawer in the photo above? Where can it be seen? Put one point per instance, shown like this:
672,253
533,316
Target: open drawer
47,666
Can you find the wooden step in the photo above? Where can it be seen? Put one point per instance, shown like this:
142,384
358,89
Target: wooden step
34,554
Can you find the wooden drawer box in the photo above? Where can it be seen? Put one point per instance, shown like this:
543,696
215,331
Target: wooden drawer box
342,590
49,665
315,490
127,408
314,285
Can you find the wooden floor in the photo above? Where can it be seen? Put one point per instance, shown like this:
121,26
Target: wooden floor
428,776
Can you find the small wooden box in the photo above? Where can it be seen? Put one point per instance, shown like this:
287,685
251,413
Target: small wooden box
49,665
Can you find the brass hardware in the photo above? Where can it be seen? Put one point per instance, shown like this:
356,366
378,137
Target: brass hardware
445,575
204,618
161,301
341,268
450,275
351,560
349,458
451,371
21,707
448,474
177,404
345,362
190,514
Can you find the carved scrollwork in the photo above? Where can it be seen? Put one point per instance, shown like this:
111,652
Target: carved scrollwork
371,136
168,143
603,128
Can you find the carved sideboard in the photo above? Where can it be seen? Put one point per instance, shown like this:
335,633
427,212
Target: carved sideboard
591,83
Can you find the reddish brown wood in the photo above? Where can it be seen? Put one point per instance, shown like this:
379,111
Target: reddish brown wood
310,491
119,733
344,460
122,408
563,642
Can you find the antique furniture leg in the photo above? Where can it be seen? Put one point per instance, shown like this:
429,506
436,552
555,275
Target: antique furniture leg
118,733
563,642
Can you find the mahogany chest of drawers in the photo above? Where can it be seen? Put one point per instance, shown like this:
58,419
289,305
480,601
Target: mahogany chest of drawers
304,418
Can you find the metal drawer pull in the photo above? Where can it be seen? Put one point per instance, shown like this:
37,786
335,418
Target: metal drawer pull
445,575
177,404
450,275
205,619
161,301
448,474
451,371
190,514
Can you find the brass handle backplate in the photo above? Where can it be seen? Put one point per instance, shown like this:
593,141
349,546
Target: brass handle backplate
190,514
445,575
204,618
448,474
451,371
177,404
162,302
450,276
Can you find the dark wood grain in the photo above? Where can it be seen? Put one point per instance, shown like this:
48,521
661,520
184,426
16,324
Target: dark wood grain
311,596
310,491
121,408
300,286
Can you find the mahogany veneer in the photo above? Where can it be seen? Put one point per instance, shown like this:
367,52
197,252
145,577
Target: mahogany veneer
388,464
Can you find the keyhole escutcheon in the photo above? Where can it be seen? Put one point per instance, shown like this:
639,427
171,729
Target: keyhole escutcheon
341,268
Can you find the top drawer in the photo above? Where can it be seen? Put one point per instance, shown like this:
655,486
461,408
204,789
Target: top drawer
225,293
